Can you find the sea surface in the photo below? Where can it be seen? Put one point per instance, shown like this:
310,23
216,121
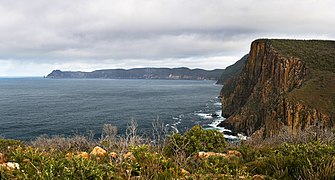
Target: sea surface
31,107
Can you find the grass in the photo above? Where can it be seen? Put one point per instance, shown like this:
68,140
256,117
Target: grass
318,93
308,156
318,90
319,55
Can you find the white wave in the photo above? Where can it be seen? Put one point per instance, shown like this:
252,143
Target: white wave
176,123
216,122
181,116
219,112
242,137
217,104
204,115
175,128
220,129
231,137
214,126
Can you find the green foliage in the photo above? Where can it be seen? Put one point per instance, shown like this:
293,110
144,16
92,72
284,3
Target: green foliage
318,92
8,144
319,57
37,164
218,165
310,159
296,161
153,165
195,140
317,54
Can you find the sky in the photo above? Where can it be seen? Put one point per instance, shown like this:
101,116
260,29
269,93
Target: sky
39,36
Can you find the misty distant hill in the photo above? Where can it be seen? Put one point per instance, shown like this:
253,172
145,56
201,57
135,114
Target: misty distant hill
141,73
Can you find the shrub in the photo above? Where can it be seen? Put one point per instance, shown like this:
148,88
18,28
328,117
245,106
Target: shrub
37,164
296,161
195,140
153,165
6,145
60,143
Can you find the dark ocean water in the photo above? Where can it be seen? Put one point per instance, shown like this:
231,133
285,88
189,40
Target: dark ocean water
31,107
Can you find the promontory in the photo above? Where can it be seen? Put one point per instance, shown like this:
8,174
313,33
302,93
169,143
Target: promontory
142,73
283,84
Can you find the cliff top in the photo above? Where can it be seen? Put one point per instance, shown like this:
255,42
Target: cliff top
319,57
317,54
284,83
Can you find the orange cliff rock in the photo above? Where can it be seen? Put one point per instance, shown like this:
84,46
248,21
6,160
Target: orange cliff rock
276,88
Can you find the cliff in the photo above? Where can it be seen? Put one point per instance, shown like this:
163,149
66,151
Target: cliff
232,70
283,83
142,73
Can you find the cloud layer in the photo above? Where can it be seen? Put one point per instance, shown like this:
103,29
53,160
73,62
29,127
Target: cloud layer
38,36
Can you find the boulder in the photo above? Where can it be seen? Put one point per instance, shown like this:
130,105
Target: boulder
2,159
113,155
205,155
129,155
184,172
258,177
69,155
233,153
12,165
84,155
98,151
9,165
26,160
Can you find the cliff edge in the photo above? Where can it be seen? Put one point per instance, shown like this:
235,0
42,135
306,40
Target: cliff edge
283,83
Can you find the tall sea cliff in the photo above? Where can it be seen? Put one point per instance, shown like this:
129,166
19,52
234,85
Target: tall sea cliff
284,83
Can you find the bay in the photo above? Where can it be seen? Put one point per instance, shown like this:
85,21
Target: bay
31,107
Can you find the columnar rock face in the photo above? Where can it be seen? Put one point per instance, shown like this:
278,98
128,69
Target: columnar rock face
276,89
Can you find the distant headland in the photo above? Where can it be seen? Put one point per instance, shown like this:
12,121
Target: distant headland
181,73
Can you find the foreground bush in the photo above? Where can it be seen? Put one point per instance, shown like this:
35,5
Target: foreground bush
6,145
54,159
311,160
195,140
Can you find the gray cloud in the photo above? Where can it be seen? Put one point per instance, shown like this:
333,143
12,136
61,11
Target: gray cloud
89,34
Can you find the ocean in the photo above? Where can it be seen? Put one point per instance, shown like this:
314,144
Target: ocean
32,107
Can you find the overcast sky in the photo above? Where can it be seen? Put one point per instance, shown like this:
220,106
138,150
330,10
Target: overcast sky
41,35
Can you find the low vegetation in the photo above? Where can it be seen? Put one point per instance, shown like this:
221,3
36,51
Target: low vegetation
318,55
196,154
